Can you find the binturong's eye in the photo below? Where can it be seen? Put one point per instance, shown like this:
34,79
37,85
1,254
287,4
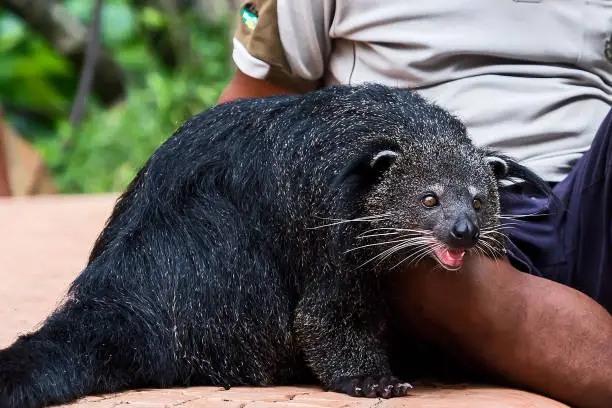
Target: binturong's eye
477,204
430,201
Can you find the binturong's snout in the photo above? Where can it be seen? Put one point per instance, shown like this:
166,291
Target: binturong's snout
463,234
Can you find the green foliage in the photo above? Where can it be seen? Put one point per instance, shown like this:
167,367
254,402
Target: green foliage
107,150
32,75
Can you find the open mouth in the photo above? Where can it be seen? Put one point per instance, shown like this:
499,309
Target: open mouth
449,258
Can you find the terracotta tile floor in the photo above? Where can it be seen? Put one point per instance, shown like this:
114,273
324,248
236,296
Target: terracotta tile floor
44,242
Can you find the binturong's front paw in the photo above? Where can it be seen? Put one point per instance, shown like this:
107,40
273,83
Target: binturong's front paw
370,387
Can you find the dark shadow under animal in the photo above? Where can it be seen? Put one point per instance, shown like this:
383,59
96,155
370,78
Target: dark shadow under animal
250,248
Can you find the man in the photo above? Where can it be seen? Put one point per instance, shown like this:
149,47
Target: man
531,78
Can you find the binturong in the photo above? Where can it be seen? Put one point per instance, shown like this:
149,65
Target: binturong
251,247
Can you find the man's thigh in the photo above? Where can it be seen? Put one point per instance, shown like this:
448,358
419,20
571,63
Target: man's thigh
569,239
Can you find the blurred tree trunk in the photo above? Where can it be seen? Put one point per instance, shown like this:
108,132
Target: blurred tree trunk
172,42
88,71
69,37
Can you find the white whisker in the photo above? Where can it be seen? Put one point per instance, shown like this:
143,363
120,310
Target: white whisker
414,242
421,253
369,218
490,250
376,244
382,234
432,250
389,252
397,230
515,216
425,249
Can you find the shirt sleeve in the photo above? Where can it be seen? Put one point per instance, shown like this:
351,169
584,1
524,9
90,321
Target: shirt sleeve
284,41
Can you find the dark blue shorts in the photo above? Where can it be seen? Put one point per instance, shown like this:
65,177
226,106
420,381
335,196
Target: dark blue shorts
570,240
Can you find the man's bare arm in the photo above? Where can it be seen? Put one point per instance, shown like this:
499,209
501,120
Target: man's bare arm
244,86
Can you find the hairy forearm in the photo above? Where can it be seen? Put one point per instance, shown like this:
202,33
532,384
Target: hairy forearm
536,333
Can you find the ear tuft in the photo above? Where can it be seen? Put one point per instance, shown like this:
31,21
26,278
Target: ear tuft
499,166
382,160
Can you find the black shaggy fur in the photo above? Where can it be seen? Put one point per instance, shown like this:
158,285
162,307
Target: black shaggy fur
216,267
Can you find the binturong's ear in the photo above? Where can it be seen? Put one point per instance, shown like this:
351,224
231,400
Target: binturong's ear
370,166
506,168
381,161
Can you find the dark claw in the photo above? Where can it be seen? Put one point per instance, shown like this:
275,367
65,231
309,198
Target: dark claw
371,387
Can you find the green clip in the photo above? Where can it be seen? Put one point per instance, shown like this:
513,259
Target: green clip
249,18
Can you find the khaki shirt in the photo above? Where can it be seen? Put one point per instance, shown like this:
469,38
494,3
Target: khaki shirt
532,78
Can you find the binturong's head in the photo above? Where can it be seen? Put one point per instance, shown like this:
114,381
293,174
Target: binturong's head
440,200
425,189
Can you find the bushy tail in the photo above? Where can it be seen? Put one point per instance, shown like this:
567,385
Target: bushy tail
84,348
36,372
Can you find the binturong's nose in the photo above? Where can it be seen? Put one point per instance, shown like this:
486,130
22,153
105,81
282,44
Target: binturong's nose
464,233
